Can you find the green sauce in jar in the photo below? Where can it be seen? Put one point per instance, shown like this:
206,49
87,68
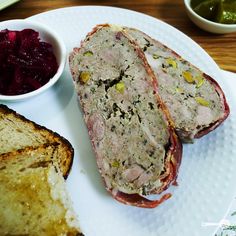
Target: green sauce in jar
220,11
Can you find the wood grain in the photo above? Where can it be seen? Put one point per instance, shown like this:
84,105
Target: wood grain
222,48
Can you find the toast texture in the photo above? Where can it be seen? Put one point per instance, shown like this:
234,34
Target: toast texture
18,132
34,199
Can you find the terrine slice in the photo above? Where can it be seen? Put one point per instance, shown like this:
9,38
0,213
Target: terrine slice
195,101
136,148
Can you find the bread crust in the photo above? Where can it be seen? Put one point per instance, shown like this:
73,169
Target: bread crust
50,136
32,185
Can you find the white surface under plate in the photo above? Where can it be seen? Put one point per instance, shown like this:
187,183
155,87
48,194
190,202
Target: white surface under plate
207,174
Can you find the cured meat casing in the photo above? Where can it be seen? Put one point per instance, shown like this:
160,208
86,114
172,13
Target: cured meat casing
136,148
196,102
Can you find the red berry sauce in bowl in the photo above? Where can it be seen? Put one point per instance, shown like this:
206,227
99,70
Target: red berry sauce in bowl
32,58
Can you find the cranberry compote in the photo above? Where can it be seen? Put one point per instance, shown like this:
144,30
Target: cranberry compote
26,62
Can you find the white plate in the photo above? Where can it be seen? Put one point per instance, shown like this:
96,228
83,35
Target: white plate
207,174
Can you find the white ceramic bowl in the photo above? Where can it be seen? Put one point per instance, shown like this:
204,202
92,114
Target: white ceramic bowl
208,25
45,34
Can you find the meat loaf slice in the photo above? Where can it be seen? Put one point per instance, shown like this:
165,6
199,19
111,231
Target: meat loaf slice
136,149
196,102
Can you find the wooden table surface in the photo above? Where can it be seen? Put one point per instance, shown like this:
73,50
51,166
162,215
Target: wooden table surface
222,48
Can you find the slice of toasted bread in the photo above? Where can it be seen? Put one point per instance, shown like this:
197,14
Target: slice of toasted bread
137,150
33,194
195,101
17,132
